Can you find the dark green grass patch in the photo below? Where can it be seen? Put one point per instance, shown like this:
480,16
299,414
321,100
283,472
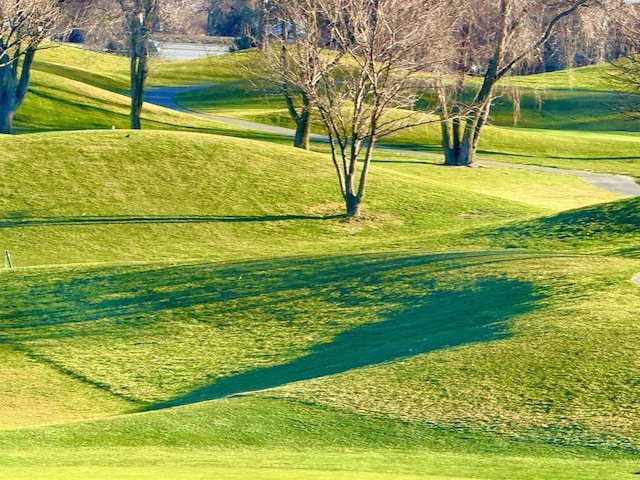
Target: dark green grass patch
605,226
567,375
505,345
177,328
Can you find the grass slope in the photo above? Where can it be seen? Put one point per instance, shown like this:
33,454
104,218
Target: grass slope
262,439
577,125
607,224
531,336
115,196
395,364
532,364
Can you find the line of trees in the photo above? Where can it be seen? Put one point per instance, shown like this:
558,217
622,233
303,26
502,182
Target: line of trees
359,65
363,64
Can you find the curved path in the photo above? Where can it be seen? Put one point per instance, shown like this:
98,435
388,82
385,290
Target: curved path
636,279
163,96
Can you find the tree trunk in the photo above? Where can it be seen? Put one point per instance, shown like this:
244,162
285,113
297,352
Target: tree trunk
7,95
462,151
353,204
137,91
302,119
264,25
12,88
303,127
139,57
6,118
448,145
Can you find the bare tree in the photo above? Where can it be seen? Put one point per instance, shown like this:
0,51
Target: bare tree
488,39
285,63
626,70
139,19
24,24
360,65
185,17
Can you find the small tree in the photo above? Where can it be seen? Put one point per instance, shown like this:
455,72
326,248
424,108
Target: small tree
360,64
24,24
488,39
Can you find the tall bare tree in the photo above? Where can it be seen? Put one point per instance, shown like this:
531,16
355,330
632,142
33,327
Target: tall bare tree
488,39
24,24
139,19
360,64
284,63
626,70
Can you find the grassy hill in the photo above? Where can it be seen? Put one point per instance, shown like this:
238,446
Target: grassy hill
186,303
118,196
569,119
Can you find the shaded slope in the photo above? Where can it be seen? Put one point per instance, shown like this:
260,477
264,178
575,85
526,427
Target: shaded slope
605,225
567,375
155,332
149,333
444,319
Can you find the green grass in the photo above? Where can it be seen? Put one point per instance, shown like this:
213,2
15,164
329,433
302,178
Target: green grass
578,107
567,109
591,77
475,323
204,440
606,224
119,196
531,336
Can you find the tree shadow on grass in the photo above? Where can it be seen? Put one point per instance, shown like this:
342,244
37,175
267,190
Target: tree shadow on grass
126,293
24,221
477,313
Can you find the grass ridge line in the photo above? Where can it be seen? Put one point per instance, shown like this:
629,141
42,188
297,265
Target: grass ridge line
93,220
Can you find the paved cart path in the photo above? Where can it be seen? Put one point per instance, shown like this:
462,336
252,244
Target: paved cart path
164,96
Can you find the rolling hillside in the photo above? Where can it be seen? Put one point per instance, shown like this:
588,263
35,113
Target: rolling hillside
186,303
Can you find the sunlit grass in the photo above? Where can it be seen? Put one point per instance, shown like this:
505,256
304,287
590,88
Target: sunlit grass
161,267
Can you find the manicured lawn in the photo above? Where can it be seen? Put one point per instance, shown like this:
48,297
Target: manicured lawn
473,324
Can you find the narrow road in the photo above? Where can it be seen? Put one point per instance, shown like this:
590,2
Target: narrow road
164,97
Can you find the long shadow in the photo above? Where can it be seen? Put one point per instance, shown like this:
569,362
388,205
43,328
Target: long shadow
73,73
127,293
478,312
406,162
128,219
